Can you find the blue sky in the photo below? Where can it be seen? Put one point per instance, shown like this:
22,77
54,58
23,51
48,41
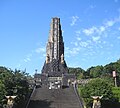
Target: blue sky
91,32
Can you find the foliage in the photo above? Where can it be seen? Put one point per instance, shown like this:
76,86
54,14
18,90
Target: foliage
13,83
100,86
79,72
95,71
98,71
96,87
16,82
2,92
116,92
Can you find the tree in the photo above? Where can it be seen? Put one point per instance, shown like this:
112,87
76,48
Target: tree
79,72
96,87
13,83
96,71
2,93
20,87
109,68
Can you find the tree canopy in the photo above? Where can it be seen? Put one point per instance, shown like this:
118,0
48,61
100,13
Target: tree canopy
13,83
96,87
98,71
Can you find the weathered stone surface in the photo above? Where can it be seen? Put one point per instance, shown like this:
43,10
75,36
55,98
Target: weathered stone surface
55,64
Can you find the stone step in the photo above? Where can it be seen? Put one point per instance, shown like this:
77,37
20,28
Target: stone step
55,98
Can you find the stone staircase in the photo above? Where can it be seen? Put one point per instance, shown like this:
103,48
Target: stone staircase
54,98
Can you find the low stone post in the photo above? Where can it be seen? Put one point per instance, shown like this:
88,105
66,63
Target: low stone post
96,101
10,101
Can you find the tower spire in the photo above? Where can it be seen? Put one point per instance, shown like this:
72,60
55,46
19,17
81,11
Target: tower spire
55,63
55,45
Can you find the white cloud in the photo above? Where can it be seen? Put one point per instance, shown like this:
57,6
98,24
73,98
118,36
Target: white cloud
118,37
95,38
84,44
110,23
111,45
94,30
89,31
100,29
19,65
119,28
44,55
75,50
78,35
104,42
71,51
89,40
27,59
74,20
76,44
78,38
40,50
63,31
78,32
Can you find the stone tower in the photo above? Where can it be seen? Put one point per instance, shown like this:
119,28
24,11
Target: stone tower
55,64
55,45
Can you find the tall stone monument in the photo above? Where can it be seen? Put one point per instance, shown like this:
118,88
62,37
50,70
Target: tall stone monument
54,68
55,64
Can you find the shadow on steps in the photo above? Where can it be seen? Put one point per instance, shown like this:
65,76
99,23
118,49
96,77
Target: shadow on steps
40,104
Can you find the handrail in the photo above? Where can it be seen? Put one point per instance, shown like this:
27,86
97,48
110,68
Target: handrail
78,96
30,96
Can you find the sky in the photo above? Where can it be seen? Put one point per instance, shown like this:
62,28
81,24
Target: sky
91,32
